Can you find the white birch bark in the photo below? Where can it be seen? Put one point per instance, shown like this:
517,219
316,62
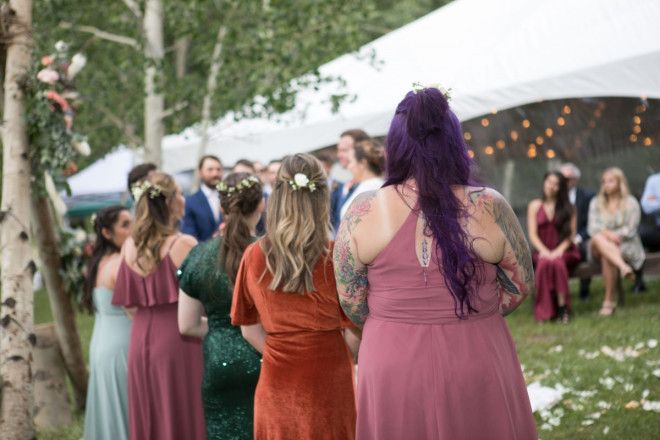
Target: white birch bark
17,310
154,102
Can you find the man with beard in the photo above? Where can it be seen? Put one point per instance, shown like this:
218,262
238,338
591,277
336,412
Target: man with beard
203,216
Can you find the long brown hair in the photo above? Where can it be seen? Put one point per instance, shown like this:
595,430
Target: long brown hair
153,218
237,204
106,218
297,225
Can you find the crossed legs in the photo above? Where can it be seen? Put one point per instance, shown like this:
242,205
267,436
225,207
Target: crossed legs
611,260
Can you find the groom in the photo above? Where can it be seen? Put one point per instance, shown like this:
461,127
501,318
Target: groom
203,216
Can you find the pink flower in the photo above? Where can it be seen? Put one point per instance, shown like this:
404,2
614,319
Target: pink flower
48,76
46,61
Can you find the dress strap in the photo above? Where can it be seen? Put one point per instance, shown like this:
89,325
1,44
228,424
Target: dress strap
172,244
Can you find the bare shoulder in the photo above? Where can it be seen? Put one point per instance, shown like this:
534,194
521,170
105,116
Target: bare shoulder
181,247
360,209
534,205
186,241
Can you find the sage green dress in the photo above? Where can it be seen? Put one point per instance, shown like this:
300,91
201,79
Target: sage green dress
231,365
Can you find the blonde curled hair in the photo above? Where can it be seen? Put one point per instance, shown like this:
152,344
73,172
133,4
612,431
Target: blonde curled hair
153,220
297,226
624,189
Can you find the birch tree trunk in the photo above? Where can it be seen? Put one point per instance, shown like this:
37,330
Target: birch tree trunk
17,338
211,85
154,102
43,223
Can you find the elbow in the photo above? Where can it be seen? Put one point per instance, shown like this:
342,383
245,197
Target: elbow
185,329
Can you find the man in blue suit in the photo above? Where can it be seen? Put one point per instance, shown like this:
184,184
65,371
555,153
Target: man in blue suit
203,217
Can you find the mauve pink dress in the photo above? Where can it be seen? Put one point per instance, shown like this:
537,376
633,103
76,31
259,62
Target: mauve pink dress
425,374
164,368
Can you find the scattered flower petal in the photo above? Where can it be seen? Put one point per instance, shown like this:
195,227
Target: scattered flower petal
632,404
587,422
652,343
648,405
556,349
606,430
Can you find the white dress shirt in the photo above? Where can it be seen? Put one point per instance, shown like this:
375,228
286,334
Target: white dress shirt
213,198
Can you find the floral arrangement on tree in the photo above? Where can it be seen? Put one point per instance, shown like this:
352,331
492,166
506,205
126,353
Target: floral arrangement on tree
52,100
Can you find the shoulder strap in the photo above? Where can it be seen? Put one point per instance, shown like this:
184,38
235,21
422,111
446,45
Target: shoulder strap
172,244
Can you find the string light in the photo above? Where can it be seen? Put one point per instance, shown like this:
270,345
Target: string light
549,132
647,141
550,154
500,144
592,124
637,120
539,140
566,110
494,111
467,136
489,150
471,153
637,129
484,122
633,138
525,123
531,152
514,135
561,121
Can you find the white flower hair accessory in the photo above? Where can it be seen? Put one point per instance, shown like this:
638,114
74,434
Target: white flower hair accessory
418,87
243,184
302,181
140,188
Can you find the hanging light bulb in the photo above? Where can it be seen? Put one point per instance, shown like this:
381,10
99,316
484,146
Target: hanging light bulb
489,150
514,135
550,153
484,122
549,132
500,144
539,140
561,121
471,153
525,123
467,136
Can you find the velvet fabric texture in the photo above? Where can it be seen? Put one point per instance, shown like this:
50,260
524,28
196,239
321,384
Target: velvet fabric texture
551,276
307,387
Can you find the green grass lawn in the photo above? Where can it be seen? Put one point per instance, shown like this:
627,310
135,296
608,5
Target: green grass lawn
572,356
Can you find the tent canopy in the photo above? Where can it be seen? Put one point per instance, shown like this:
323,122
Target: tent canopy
493,54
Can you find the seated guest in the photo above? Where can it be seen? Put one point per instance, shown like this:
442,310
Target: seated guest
551,225
649,233
580,197
614,217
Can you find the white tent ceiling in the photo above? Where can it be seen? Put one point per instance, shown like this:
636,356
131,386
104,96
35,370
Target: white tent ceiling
493,54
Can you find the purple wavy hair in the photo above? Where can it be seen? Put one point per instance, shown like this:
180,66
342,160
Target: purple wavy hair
425,142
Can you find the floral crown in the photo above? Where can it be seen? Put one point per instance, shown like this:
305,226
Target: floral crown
243,184
140,188
418,87
302,181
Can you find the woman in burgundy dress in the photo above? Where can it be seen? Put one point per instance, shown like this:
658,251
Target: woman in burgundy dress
164,368
551,226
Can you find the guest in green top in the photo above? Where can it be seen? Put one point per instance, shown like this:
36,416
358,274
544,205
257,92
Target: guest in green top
231,365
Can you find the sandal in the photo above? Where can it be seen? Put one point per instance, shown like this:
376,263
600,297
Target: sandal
607,309
563,315
627,272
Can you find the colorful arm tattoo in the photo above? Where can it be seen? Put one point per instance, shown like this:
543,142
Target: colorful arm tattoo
351,275
515,272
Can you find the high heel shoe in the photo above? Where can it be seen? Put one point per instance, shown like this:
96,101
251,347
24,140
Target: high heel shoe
607,308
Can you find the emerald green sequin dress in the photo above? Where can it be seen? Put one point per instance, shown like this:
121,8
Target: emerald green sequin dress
231,365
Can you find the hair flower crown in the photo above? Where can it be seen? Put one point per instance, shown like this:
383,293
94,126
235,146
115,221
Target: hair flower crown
243,184
302,181
418,87
140,188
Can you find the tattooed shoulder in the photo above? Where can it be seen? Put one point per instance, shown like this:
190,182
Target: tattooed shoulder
361,206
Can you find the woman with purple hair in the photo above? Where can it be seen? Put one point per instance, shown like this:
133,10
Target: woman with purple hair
439,261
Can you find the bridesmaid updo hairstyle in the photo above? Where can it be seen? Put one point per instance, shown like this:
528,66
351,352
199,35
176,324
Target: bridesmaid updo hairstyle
298,223
153,217
371,151
237,205
105,218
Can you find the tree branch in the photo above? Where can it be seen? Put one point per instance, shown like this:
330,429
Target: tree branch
134,7
102,34
172,110
127,129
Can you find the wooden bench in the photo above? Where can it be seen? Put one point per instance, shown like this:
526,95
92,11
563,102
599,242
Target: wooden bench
589,269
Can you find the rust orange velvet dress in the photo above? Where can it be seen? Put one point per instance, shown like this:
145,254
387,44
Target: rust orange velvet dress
306,389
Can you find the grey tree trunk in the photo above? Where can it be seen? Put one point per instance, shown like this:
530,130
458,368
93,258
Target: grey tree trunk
17,337
43,225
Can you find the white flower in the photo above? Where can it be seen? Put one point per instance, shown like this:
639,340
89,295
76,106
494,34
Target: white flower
61,46
82,147
48,76
80,235
301,180
77,63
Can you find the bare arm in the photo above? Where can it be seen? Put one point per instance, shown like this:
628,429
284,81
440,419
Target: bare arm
515,273
255,335
353,336
350,272
190,314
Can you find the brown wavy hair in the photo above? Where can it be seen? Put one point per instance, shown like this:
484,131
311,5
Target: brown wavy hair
297,225
372,151
153,219
236,234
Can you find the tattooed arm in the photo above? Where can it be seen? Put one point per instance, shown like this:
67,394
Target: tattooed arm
350,272
515,273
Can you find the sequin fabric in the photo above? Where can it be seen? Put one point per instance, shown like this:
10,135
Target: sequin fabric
231,365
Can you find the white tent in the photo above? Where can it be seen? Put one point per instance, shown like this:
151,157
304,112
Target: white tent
493,54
